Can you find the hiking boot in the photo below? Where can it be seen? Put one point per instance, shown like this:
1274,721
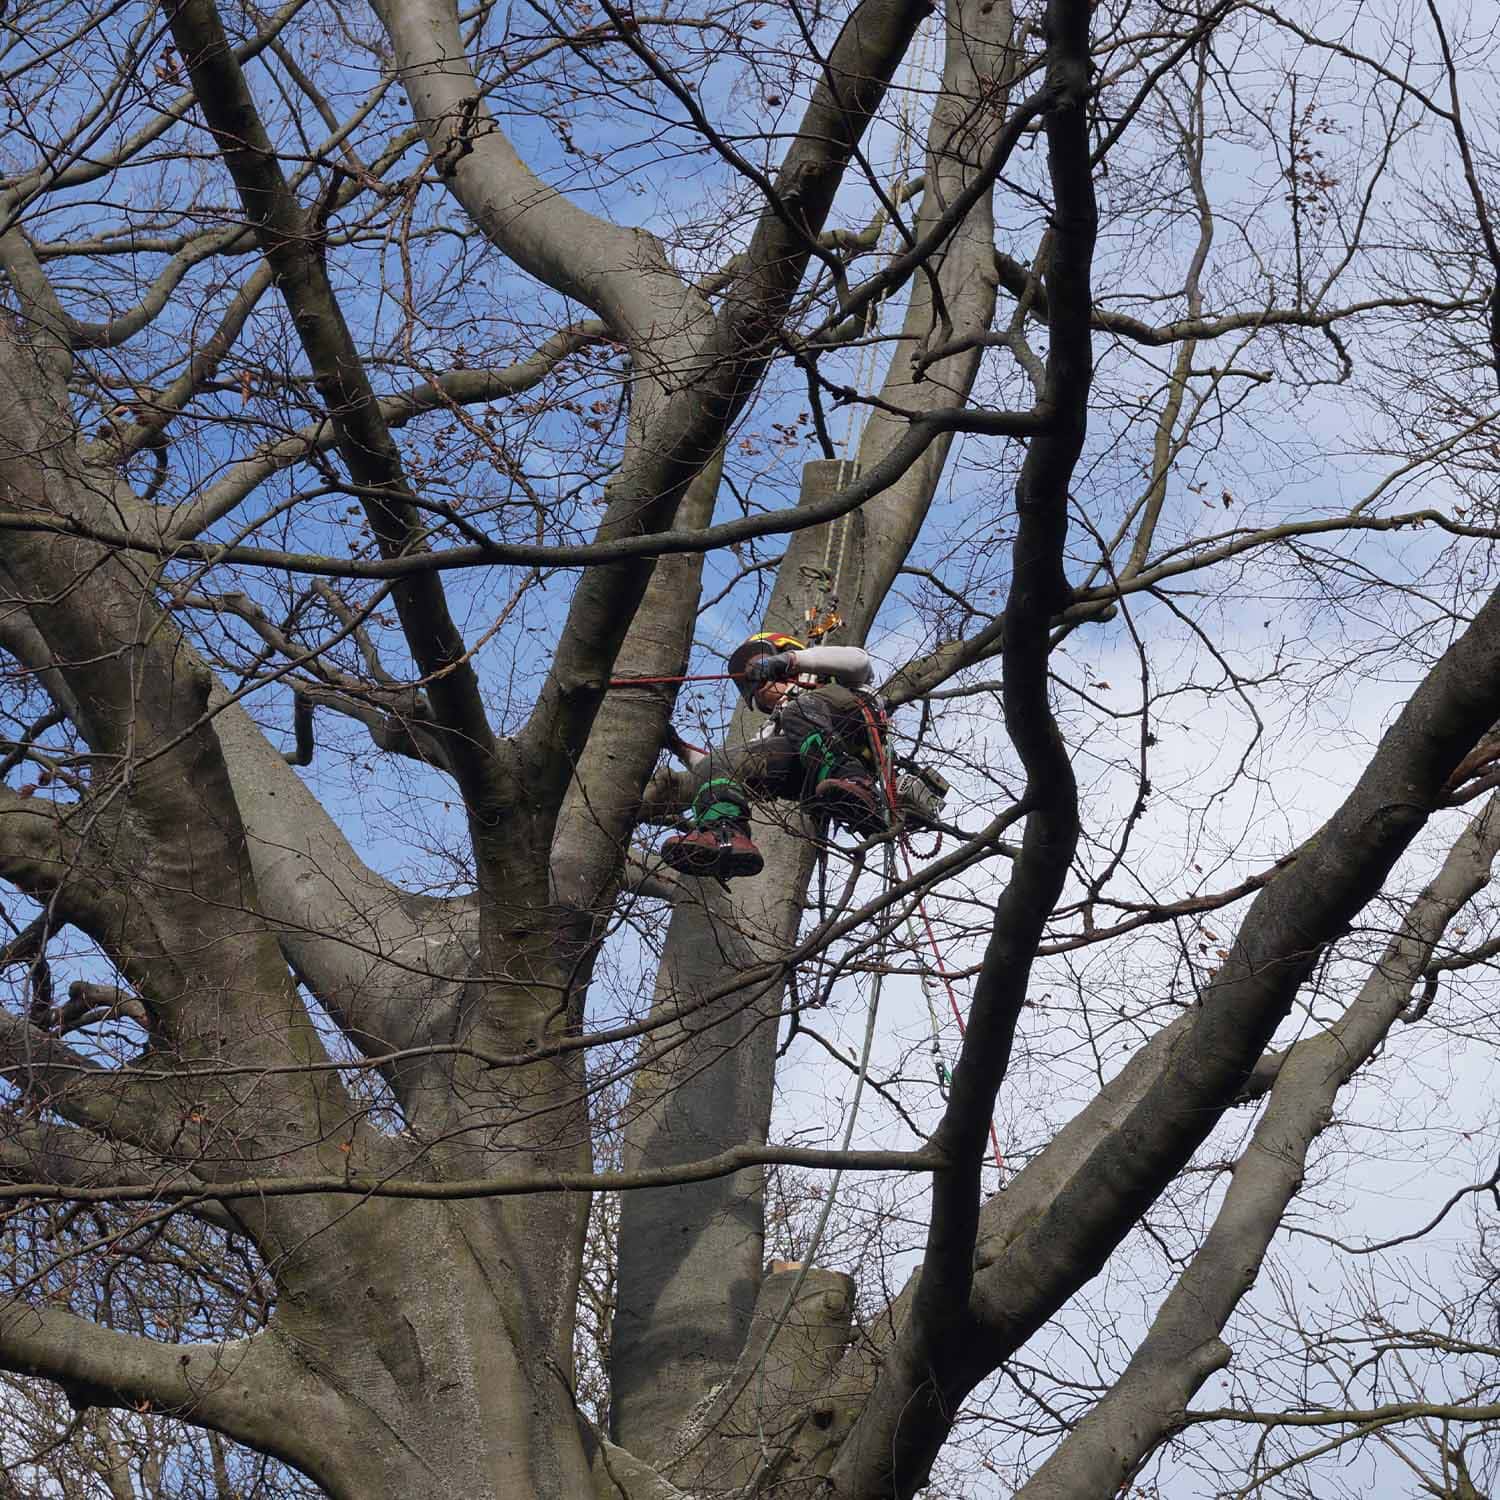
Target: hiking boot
850,800
720,850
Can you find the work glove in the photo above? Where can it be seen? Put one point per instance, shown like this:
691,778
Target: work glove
775,668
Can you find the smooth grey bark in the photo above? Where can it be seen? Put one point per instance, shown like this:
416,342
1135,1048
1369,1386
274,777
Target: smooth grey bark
247,1388
690,1257
1183,1347
396,1321
387,965
602,807
746,1430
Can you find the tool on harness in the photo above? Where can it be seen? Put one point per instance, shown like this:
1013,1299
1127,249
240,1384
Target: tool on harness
922,790
930,996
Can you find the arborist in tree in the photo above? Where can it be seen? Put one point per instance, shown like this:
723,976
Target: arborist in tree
816,748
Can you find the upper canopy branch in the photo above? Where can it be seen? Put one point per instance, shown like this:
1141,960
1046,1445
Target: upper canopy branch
84,166
674,442
618,272
1017,279
288,238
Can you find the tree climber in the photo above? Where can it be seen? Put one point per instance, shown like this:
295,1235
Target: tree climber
815,748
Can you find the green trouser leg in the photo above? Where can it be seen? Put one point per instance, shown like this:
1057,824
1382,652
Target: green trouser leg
826,762
720,800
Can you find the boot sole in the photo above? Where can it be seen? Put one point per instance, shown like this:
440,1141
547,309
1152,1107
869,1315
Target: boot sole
742,866
724,864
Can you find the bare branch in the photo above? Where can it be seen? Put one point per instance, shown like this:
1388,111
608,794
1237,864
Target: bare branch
363,440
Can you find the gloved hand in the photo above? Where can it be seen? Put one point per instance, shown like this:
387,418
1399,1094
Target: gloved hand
767,668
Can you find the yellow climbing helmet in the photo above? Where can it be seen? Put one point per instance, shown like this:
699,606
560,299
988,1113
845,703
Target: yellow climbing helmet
768,642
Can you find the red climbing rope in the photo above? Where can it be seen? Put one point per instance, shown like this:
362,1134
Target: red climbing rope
625,682
621,682
888,780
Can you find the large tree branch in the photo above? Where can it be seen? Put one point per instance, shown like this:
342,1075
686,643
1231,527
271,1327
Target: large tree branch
164,927
871,481
248,1389
1148,1402
182,926
51,1074
727,365
56,853
1061,1217
20,637
387,965
603,804
620,273
690,1261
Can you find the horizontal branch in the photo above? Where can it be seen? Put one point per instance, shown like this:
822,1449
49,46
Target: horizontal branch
89,166
249,1389
1375,1416
509,1186
75,1087
1017,279
1234,544
870,483
67,1155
